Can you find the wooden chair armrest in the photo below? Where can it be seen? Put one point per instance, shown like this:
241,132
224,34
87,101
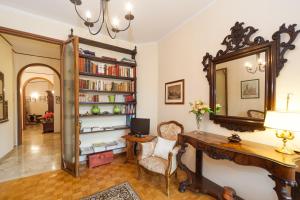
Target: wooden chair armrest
172,161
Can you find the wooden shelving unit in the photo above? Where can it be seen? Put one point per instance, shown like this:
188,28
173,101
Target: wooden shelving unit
74,117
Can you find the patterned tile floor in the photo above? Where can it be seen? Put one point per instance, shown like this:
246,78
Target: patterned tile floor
39,153
60,185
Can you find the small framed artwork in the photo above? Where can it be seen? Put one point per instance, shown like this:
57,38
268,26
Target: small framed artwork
174,92
250,89
43,98
57,99
27,98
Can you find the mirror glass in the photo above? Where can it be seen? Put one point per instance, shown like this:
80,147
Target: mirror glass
240,86
1,96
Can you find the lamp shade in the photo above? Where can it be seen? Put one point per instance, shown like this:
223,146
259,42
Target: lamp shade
289,121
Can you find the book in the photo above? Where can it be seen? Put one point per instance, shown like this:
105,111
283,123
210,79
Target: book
98,147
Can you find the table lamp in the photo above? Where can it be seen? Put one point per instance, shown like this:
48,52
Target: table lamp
285,124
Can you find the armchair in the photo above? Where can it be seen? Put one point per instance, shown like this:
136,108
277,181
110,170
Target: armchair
166,167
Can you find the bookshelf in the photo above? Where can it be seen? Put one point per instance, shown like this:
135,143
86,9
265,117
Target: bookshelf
99,98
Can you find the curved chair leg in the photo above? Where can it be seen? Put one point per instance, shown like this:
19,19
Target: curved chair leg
167,185
139,172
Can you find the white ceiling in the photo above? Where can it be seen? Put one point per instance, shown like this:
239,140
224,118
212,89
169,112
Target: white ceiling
153,18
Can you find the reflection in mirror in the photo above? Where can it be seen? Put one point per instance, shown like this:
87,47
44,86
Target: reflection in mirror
221,90
240,86
1,96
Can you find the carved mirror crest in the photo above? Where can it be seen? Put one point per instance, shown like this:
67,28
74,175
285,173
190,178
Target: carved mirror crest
242,77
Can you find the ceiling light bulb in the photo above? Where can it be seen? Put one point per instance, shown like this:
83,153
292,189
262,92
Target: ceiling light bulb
115,22
129,7
88,15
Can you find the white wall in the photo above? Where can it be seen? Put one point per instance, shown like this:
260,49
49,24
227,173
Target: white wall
7,128
147,83
180,56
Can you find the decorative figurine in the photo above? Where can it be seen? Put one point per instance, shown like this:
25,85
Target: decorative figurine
234,138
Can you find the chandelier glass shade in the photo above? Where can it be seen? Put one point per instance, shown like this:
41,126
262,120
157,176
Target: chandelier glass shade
103,19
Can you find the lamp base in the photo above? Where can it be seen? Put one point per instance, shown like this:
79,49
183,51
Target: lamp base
285,150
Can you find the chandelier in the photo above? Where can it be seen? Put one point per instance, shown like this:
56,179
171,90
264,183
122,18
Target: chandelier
261,65
103,19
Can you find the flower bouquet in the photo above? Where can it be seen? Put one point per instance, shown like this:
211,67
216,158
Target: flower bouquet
48,117
199,108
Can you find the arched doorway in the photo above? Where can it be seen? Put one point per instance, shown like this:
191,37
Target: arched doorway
35,102
20,97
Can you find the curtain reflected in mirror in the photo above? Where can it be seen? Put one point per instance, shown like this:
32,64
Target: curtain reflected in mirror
3,103
221,90
240,86
1,97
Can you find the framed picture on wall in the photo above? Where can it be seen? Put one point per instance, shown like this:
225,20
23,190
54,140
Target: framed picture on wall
250,89
57,99
174,92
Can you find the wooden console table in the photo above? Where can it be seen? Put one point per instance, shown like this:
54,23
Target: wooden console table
131,140
282,168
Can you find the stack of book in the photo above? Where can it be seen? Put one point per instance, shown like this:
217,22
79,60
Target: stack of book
104,85
128,60
98,98
89,67
130,109
92,98
98,147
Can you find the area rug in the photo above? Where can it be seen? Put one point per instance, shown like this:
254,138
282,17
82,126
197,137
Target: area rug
119,192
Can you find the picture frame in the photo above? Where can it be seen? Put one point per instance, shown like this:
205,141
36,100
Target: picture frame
57,99
174,92
250,89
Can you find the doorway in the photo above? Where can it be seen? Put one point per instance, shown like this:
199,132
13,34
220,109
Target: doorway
36,108
38,99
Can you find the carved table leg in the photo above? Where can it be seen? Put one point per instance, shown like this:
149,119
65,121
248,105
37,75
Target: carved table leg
188,181
296,190
281,187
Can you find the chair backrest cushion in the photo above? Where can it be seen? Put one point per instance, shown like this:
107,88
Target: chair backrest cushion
163,147
170,130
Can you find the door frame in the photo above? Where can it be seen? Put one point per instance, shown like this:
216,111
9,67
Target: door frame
24,95
19,100
38,38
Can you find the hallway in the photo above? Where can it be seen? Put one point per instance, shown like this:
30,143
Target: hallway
39,153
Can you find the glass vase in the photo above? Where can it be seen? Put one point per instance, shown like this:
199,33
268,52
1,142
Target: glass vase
198,122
